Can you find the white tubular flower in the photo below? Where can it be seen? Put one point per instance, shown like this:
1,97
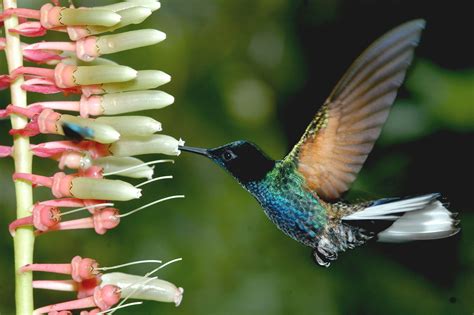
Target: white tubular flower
129,126
138,287
124,166
103,189
97,131
119,103
151,4
146,145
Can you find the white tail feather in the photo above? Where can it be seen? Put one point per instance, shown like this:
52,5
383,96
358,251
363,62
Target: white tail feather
419,218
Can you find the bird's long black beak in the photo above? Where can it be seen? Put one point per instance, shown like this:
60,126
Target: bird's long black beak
199,151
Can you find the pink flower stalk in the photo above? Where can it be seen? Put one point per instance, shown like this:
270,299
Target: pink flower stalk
38,56
45,86
29,29
80,268
5,151
89,204
103,298
43,219
41,56
101,221
84,288
52,148
20,12
4,82
46,216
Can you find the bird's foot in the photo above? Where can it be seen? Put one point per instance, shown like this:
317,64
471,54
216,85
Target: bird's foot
323,255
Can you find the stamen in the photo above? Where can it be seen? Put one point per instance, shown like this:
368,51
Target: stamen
108,204
129,264
131,293
163,266
111,310
138,166
153,180
149,205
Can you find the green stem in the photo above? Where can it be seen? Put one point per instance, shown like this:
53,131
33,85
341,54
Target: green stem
24,237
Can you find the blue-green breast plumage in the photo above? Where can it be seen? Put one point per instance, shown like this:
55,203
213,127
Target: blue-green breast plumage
289,204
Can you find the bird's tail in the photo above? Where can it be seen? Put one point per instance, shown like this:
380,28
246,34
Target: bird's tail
419,218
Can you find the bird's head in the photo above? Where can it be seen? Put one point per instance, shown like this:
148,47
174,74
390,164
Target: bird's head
244,160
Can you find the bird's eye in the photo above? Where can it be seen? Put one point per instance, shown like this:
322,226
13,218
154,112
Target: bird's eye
228,155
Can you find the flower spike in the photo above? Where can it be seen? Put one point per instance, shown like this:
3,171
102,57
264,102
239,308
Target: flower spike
106,88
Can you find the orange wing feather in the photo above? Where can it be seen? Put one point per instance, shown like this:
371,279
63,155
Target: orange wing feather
343,132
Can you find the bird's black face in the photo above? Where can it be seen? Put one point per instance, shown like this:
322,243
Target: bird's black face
244,160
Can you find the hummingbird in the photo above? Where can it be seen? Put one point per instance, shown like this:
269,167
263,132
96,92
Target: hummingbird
302,194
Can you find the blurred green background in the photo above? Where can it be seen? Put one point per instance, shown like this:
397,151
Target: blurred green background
258,70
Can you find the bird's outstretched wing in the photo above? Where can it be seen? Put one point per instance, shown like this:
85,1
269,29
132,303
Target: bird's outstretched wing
344,130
